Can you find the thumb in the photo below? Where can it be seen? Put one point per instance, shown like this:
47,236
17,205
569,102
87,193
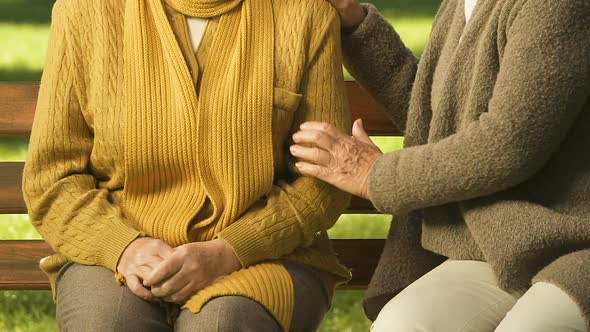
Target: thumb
359,133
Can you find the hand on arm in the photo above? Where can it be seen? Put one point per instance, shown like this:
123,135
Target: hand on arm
541,88
300,207
343,161
351,13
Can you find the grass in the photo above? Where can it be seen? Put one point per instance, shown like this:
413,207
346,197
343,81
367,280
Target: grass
24,27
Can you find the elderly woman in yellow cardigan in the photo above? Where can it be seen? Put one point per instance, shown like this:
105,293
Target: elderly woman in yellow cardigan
491,195
159,159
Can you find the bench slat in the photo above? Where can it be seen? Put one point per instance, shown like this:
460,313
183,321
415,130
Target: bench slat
11,198
18,107
19,260
11,201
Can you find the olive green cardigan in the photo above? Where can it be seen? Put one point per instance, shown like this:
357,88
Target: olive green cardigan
496,167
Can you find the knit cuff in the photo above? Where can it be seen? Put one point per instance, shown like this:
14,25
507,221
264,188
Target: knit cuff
251,245
113,242
382,184
367,25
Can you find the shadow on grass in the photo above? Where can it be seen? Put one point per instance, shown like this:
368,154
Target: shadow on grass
19,75
26,11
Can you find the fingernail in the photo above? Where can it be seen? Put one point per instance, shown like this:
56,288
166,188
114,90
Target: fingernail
293,148
304,125
299,165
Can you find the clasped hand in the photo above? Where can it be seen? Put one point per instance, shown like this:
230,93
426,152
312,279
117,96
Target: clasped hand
154,270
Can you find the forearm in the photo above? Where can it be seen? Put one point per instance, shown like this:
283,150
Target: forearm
292,216
539,92
376,56
75,218
298,207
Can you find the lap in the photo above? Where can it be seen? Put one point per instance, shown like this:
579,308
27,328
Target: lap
455,296
464,296
88,299
544,308
237,313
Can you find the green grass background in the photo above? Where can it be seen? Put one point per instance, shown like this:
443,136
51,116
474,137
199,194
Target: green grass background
24,28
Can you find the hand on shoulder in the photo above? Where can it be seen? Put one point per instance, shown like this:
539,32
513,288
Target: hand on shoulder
351,13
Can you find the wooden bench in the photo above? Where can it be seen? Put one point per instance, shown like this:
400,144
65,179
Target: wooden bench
19,259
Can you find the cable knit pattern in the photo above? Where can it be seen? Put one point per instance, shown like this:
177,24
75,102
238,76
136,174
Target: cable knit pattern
112,159
496,165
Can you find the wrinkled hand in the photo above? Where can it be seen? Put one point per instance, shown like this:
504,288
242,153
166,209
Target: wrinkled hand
191,268
137,262
352,14
335,157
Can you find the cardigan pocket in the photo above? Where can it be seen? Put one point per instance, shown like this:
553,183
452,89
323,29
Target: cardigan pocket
285,106
286,100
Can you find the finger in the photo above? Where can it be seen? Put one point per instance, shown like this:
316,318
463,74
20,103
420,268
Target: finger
314,155
170,286
182,295
359,133
164,270
309,169
137,288
323,127
319,138
151,264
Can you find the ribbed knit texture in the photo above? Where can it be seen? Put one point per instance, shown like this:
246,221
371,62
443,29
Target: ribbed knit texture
212,8
123,146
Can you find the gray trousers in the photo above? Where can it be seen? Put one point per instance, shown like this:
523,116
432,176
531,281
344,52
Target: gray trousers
88,299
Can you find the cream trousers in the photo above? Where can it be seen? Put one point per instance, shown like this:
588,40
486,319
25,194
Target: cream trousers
463,296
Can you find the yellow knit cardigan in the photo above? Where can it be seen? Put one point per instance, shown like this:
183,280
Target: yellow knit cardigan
75,174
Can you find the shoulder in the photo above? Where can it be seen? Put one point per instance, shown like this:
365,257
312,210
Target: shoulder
304,13
85,14
556,14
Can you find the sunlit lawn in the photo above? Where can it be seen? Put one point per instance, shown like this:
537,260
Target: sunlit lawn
23,44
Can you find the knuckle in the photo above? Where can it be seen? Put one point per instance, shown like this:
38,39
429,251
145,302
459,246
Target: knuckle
316,135
316,153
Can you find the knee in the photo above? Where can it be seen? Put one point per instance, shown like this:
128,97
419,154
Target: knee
88,299
544,307
228,313
403,317
86,317
80,306
386,323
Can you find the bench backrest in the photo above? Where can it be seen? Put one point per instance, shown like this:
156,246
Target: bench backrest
19,259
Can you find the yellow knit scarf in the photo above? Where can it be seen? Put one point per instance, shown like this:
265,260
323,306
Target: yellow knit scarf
193,163
183,151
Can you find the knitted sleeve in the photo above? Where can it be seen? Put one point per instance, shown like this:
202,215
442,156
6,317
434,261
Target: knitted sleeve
64,204
298,210
541,88
376,56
